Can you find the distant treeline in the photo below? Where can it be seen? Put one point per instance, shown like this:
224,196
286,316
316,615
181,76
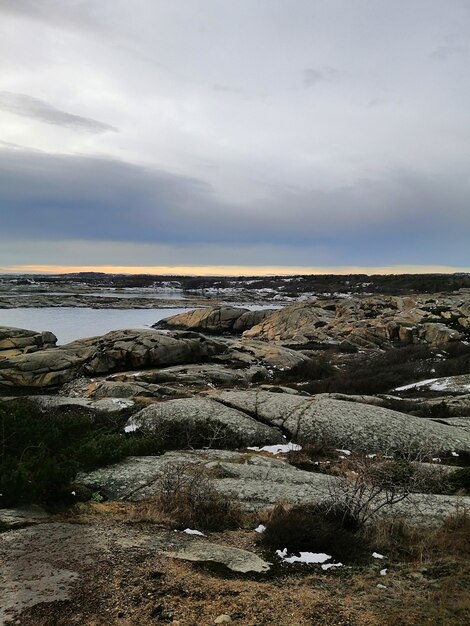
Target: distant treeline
393,284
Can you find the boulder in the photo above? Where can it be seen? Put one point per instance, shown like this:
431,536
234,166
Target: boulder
17,341
217,319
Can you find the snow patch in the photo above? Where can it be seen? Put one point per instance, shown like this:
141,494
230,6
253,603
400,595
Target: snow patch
131,428
304,557
278,448
190,531
260,529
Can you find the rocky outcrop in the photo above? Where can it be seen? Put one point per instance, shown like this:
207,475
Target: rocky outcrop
217,320
255,481
116,351
369,322
198,418
105,405
364,427
17,341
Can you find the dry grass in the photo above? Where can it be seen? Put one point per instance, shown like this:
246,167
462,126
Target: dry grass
187,498
420,545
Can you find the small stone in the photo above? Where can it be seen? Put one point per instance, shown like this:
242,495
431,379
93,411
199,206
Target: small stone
223,619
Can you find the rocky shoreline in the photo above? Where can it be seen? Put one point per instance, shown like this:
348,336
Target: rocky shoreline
223,391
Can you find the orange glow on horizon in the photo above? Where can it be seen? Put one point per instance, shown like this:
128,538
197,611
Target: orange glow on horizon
230,270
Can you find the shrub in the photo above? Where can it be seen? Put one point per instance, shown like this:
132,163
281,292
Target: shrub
315,528
187,498
41,453
460,480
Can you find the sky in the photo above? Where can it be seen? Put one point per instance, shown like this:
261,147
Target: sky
235,136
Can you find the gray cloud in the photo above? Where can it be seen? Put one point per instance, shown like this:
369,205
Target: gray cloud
404,217
313,76
21,104
442,53
362,157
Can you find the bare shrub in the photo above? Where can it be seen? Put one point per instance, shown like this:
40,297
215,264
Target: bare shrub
368,487
187,497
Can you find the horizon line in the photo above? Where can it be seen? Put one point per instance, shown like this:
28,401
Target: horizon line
233,270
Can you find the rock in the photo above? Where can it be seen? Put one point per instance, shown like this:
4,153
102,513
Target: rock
198,375
270,355
193,418
353,425
293,322
106,405
223,619
438,334
23,516
370,322
257,482
17,341
115,351
251,318
217,319
235,559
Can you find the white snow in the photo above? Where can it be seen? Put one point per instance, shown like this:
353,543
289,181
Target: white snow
304,557
376,555
278,448
131,428
122,403
422,383
327,566
190,531
260,529
434,384
455,453
345,452
379,586
383,572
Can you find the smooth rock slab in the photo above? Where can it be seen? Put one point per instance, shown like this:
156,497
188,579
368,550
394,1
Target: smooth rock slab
190,416
235,559
256,481
353,425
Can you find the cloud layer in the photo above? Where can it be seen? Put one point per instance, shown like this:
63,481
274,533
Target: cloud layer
269,133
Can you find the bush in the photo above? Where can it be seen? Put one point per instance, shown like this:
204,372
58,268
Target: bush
41,453
460,480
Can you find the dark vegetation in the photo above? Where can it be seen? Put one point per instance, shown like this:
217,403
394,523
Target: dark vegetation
325,284
41,453
380,372
315,528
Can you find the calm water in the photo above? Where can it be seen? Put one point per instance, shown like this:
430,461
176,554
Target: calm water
69,324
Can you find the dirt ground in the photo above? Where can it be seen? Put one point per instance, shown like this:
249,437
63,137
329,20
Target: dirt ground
107,570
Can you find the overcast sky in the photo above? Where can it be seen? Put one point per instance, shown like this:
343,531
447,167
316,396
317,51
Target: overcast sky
307,133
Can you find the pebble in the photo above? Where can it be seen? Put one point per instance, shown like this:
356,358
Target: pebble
223,619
